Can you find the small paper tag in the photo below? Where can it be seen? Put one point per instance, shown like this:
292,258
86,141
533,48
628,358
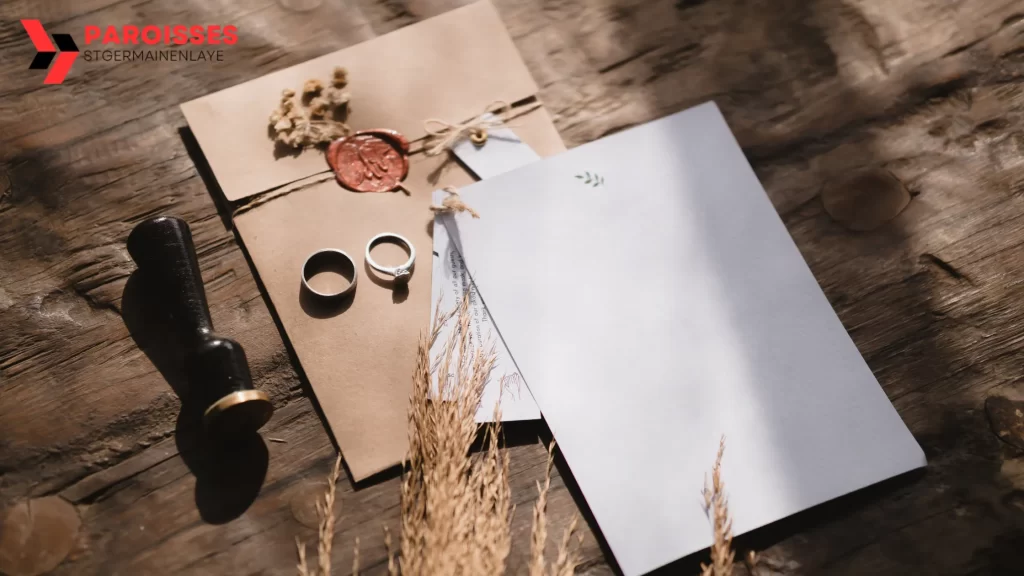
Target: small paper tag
501,152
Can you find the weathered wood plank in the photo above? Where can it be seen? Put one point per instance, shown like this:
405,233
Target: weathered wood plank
926,89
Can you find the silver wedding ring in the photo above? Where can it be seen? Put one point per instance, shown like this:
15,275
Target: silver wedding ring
402,273
330,260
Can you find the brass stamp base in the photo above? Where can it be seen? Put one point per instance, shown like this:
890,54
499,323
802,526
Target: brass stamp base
238,413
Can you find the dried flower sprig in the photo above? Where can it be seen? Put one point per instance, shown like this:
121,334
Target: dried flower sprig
319,117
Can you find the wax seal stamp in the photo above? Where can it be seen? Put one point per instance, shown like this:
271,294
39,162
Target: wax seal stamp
219,378
370,160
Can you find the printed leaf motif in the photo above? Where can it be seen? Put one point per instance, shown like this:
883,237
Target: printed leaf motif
594,180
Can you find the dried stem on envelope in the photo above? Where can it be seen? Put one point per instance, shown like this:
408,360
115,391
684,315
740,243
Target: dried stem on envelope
317,118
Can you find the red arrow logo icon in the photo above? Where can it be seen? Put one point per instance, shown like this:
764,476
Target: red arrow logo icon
46,52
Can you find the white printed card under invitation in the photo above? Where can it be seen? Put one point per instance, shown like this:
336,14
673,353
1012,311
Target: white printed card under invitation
503,151
654,302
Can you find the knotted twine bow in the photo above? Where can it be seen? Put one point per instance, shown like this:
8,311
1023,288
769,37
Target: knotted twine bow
443,138
443,134
453,204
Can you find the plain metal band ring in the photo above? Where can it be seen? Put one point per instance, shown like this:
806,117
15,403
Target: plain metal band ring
322,260
400,273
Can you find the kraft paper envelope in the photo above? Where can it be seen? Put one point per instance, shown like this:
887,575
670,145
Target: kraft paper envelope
360,361
657,302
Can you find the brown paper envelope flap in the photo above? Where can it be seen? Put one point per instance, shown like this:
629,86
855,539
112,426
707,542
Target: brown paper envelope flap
449,67
360,360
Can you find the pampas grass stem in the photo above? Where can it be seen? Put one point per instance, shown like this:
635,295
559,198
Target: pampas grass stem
716,505
325,541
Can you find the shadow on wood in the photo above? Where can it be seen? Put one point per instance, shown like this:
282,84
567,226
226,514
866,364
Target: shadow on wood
228,475
195,153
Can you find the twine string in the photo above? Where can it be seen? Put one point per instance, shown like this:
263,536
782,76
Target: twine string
261,199
453,204
443,135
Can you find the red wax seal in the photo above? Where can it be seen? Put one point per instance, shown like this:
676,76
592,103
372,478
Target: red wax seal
370,160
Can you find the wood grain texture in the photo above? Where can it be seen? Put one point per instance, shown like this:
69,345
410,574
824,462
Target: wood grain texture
930,91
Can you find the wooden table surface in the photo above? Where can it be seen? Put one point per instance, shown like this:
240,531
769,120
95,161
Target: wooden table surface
815,90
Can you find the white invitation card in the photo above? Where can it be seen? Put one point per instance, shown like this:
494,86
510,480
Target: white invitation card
653,302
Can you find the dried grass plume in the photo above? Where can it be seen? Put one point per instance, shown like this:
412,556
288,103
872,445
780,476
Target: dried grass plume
716,505
456,505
